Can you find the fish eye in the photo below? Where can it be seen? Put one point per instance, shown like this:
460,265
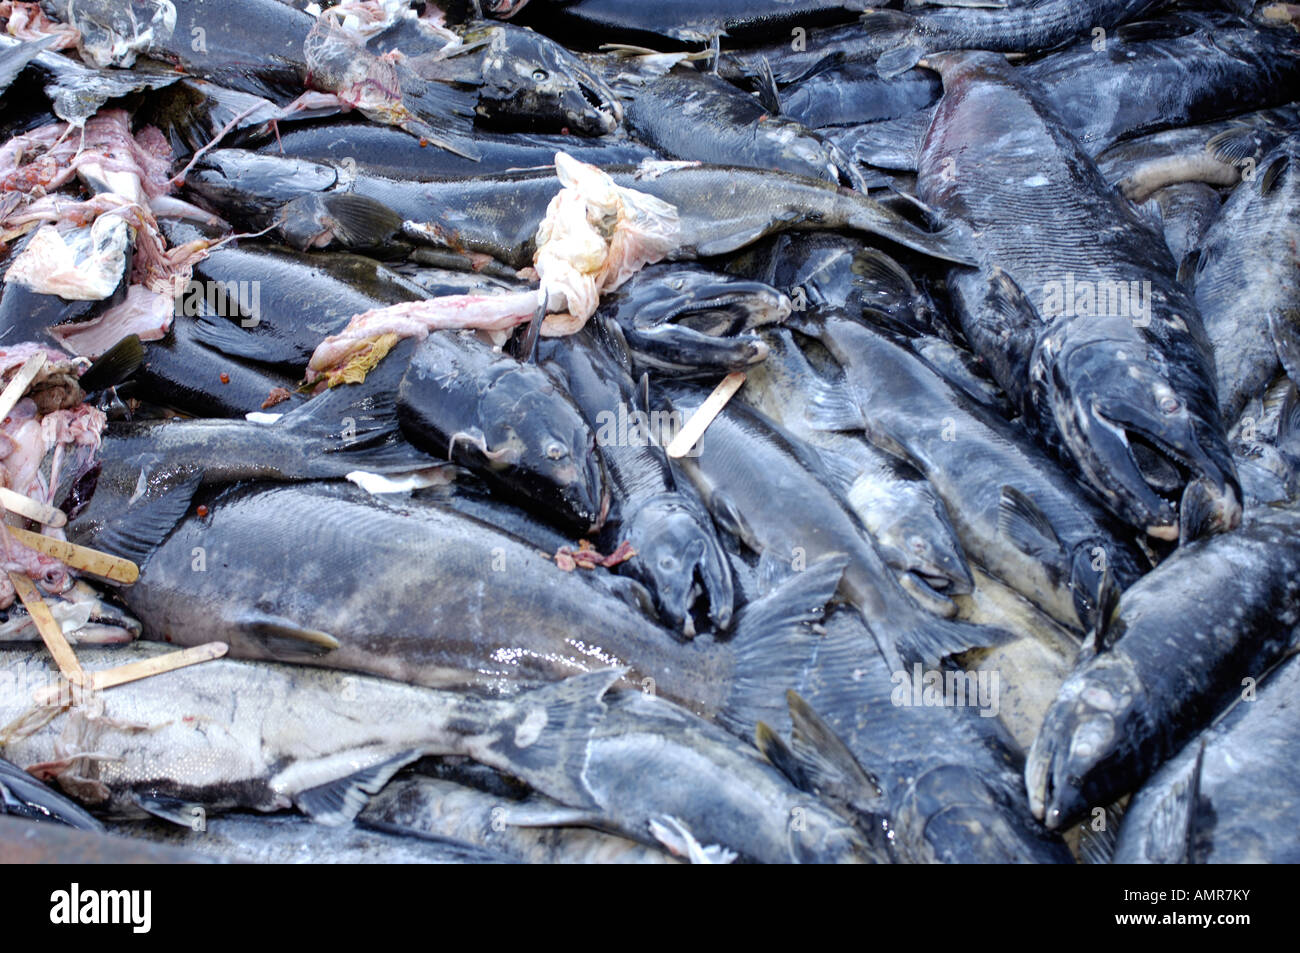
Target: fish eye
1170,405
540,75
555,450
677,284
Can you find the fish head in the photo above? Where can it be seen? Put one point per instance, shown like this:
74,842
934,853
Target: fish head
250,188
535,439
923,547
529,81
704,301
1139,441
1082,756
679,559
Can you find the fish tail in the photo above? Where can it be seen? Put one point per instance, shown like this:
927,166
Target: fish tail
773,644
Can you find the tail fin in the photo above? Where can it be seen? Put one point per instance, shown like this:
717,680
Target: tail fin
926,638
895,33
354,426
773,644
541,736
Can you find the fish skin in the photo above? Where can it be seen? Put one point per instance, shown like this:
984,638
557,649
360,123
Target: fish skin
427,807
1249,750
721,209
904,515
509,422
1248,255
292,839
854,92
744,460
903,405
22,796
22,842
1176,649
672,535
1087,401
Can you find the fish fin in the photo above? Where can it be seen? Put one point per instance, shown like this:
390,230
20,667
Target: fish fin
1233,145
1195,510
768,95
899,60
831,407
1173,822
138,531
225,335
680,842
282,635
552,815
832,770
355,426
1025,525
773,642
359,221
871,264
929,639
543,734
1288,424
728,516
114,366
1009,303
174,810
338,802
1099,636
1188,268
1273,174
840,470
1284,328
1097,846
777,752
772,571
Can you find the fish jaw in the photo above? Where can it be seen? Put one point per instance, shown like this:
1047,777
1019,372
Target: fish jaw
679,559
1082,757
1138,442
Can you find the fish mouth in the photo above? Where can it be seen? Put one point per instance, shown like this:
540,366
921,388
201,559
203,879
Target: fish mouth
730,312
930,592
607,111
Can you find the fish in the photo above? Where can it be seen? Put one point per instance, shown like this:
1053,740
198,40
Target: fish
1164,661
678,555
687,114
1017,513
1120,389
897,506
84,614
1204,805
904,38
433,807
286,838
509,422
21,795
685,321
744,460
24,842
453,629
853,92
1243,275
253,763
721,209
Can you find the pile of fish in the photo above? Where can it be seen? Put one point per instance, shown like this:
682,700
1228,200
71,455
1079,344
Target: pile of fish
712,431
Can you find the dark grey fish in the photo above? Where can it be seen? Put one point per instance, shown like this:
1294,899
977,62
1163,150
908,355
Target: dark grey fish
854,92
1016,512
721,209
1120,374
21,795
1246,277
509,422
1168,658
1184,211
22,842
1232,795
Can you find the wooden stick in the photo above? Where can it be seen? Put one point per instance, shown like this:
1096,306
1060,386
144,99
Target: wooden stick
79,557
690,434
26,506
49,629
157,665
13,393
